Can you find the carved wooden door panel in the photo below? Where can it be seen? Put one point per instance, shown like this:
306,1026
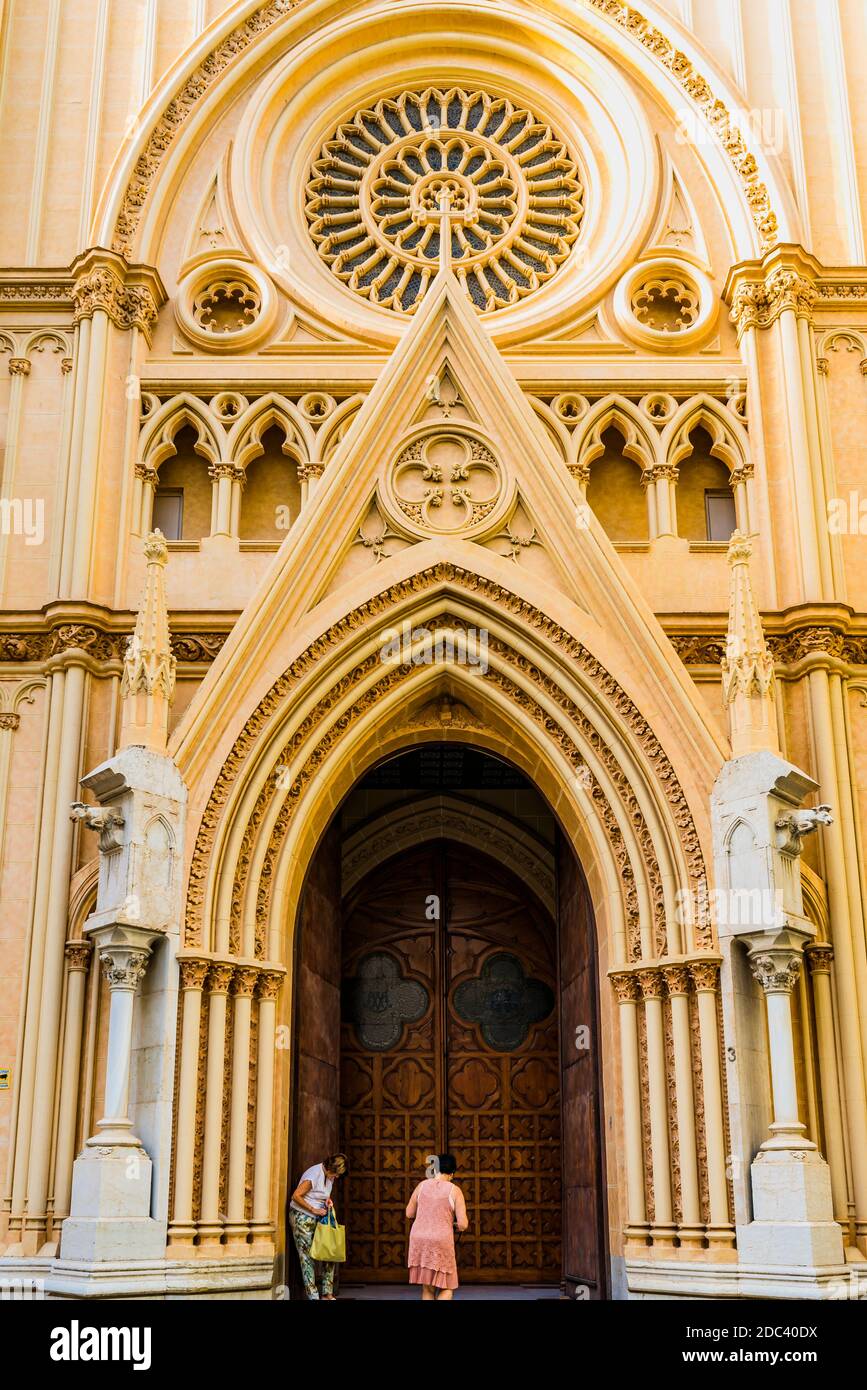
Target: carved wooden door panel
502,1081
584,1265
391,1092
450,1042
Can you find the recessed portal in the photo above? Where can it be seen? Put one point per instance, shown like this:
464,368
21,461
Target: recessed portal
446,1002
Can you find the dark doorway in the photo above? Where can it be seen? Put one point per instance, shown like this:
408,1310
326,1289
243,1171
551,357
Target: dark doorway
440,1006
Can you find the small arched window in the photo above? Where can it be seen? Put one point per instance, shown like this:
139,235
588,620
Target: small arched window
615,492
271,499
182,500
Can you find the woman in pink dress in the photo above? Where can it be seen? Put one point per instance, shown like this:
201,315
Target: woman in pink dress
435,1208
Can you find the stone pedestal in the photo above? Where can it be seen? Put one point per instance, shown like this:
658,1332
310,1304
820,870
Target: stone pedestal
792,1207
111,1195
785,1216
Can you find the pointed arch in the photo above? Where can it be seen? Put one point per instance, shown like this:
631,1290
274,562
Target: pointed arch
244,442
640,444
157,439
730,441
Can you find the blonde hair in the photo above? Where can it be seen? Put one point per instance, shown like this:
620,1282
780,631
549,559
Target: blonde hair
336,1163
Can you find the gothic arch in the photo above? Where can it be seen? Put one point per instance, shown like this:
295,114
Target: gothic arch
730,441
615,411
157,442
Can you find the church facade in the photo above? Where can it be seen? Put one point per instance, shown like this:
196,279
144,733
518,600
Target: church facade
433,647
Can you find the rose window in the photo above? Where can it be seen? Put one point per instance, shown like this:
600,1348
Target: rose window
378,187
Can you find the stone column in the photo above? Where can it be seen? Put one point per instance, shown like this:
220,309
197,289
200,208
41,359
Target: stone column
690,1231
820,957
653,990
705,977
211,1224
111,1181
792,1205
243,986
628,994
78,954
268,988
182,1230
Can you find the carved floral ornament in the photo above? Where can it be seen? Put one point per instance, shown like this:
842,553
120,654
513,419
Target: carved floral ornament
269,15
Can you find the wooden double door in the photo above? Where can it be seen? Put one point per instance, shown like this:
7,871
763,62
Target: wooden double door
450,1042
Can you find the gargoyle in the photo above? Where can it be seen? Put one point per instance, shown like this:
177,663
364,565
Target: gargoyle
796,824
101,819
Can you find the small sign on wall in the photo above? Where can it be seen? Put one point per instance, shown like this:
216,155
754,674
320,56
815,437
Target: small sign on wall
5,1075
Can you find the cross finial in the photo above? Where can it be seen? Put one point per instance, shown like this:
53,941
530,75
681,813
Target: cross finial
444,203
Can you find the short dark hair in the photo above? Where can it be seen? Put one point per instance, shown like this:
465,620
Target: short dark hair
448,1163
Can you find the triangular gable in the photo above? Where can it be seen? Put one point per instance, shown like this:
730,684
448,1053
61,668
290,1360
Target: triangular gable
445,335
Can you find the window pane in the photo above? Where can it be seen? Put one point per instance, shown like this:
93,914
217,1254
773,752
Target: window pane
168,514
720,512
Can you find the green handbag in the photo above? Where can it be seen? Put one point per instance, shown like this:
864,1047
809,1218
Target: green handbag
329,1240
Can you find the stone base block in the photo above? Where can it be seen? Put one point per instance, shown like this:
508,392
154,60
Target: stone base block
110,1218
794,1221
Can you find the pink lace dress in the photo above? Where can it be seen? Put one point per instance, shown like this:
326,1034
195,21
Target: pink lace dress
431,1257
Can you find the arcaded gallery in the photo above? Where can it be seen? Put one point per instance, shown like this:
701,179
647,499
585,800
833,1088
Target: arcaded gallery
433,650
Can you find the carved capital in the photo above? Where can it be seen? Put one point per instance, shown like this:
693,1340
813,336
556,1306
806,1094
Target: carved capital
820,958
652,984
268,984
9,720
676,978
78,954
220,977
100,289
244,981
19,366
777,971
626,988
759,303
123,966
147,474
193,973
705,975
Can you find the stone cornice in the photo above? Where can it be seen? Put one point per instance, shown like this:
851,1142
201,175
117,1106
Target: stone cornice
27,289
830,634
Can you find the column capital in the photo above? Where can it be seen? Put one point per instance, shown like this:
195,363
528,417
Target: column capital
677,978
220,976
78,954
759,291
652,983
269,983
193,972
705,975
820,957
130,295
626,987
776,970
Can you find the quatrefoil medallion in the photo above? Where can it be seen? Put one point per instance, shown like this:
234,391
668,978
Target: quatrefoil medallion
447,482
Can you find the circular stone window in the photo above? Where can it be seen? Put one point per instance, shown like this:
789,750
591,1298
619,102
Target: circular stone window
377,188
226,305
665,303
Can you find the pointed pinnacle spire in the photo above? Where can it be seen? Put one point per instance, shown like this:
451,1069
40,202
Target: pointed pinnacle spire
747,667
148,682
